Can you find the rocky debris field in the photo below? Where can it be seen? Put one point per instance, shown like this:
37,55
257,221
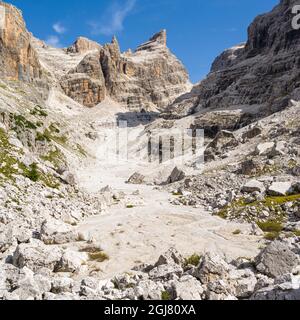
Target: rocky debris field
251,175
41,272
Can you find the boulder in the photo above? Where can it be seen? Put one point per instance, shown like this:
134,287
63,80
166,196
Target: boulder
264,149
252,133
279,149
175,176
276,260
254,186
243,282
62,285
149,290
296,171
68,178
279,188
71,261
166,272
172,256
136,178
211,268
36,255
187,288
57,232
223,140
250,167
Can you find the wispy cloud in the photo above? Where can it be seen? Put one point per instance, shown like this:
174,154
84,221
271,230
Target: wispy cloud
53,41
113,19
59,28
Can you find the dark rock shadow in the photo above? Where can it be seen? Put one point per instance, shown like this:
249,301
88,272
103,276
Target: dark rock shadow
134,119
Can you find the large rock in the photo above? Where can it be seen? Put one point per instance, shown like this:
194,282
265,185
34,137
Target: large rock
279,188
276,260
57,232
253,186
223,140
71,261
136,178
211,268
166,272
264,149
175,176
36,255
187,288
149,290
172,256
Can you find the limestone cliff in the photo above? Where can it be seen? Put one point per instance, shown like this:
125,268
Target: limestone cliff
257,78
18,59
148,79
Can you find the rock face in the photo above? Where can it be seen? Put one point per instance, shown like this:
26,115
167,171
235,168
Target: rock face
259,77
19,60
86,84
83,45
148,79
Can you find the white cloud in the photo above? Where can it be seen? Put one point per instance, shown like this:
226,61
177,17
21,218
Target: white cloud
59,28
53,41
113,19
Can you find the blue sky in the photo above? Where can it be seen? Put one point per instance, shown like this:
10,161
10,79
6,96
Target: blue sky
198,30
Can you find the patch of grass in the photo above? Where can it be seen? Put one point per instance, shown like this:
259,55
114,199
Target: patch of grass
271,236
95,254
48,135
271,226
53,128
33,173
21,122
98,256
176,194
56,157
38,111
9,165
274,203
296,233
236,232
3,86
193,260
81,150
42,137
165,296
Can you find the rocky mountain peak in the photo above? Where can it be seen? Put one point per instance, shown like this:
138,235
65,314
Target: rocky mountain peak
83,45
158,40
160,37
251,81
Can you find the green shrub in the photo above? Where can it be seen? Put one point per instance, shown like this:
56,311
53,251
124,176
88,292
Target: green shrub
165,296
237,232
193,260
271,236
38,111
271,226
33,173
